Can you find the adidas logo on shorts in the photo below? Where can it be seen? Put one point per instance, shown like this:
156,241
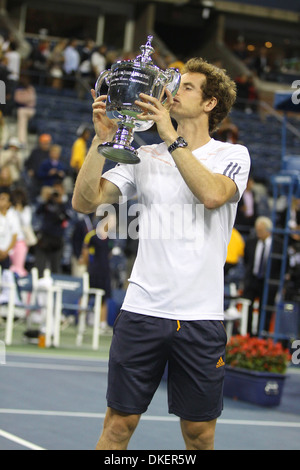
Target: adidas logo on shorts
220,363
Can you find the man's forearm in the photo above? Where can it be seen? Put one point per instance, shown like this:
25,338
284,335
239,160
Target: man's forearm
87,189
213,190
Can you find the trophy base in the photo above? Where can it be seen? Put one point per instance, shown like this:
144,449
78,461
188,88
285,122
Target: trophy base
119,153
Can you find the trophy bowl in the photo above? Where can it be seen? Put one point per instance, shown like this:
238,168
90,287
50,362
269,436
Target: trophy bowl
126,80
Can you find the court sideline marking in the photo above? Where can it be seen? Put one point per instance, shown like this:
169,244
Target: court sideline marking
19,440
76,414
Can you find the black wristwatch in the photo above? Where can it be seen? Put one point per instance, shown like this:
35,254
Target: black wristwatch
179,143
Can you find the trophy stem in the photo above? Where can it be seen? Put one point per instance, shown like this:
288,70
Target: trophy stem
120,149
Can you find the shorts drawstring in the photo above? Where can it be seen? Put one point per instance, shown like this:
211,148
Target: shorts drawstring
178,325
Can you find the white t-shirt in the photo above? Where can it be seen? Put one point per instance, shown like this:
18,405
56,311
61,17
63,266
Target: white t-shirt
178,272
9,226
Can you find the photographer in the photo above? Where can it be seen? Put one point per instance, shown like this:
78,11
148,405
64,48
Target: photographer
54,214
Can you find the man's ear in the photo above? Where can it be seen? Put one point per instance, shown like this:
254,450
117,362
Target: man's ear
210,104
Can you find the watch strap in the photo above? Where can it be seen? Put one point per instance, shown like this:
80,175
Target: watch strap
179,143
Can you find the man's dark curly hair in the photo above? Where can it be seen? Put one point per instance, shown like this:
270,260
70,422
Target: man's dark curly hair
218,84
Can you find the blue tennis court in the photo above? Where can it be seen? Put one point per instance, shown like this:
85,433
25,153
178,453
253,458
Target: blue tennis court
57,402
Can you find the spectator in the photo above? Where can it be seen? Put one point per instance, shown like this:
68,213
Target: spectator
25,99
32,164
85,59
235,250
98,60
55,214
52,170
12,158
257,252
26,237
228,131
79,149
294,222
9,228
95,255
85,69
82,227
56,61
247,209
13,62
5,177
246,93
262,63
4,131
38,61
71,62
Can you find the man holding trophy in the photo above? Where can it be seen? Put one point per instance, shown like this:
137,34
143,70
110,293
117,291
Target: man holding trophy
173,310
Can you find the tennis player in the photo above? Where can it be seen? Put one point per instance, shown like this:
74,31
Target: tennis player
173,309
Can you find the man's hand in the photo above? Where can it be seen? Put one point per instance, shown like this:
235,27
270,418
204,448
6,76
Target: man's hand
155,111
105,128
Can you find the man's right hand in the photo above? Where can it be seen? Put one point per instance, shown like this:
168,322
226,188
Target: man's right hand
105,128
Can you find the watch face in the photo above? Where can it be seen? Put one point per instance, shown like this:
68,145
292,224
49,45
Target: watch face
181,142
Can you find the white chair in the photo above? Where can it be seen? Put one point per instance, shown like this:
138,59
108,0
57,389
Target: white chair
73,294
232,313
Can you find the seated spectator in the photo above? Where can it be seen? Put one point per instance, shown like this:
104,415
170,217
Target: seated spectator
52,170
54,214
25,99
12,158
79,149
9,228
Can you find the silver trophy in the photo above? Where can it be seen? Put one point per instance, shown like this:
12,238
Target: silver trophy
126,80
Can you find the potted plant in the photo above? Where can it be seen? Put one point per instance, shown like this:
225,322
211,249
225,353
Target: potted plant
255,370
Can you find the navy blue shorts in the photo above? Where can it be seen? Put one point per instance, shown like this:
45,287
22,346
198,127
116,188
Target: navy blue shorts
141,348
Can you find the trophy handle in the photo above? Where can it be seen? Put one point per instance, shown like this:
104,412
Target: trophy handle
104,76
173,80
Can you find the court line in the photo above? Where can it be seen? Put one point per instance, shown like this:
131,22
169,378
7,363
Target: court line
76,414
19,440
56,367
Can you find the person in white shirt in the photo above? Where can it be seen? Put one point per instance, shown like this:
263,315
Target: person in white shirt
173,309
9,228
13,62
71,58
98,60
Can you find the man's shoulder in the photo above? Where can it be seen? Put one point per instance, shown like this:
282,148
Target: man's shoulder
228,146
